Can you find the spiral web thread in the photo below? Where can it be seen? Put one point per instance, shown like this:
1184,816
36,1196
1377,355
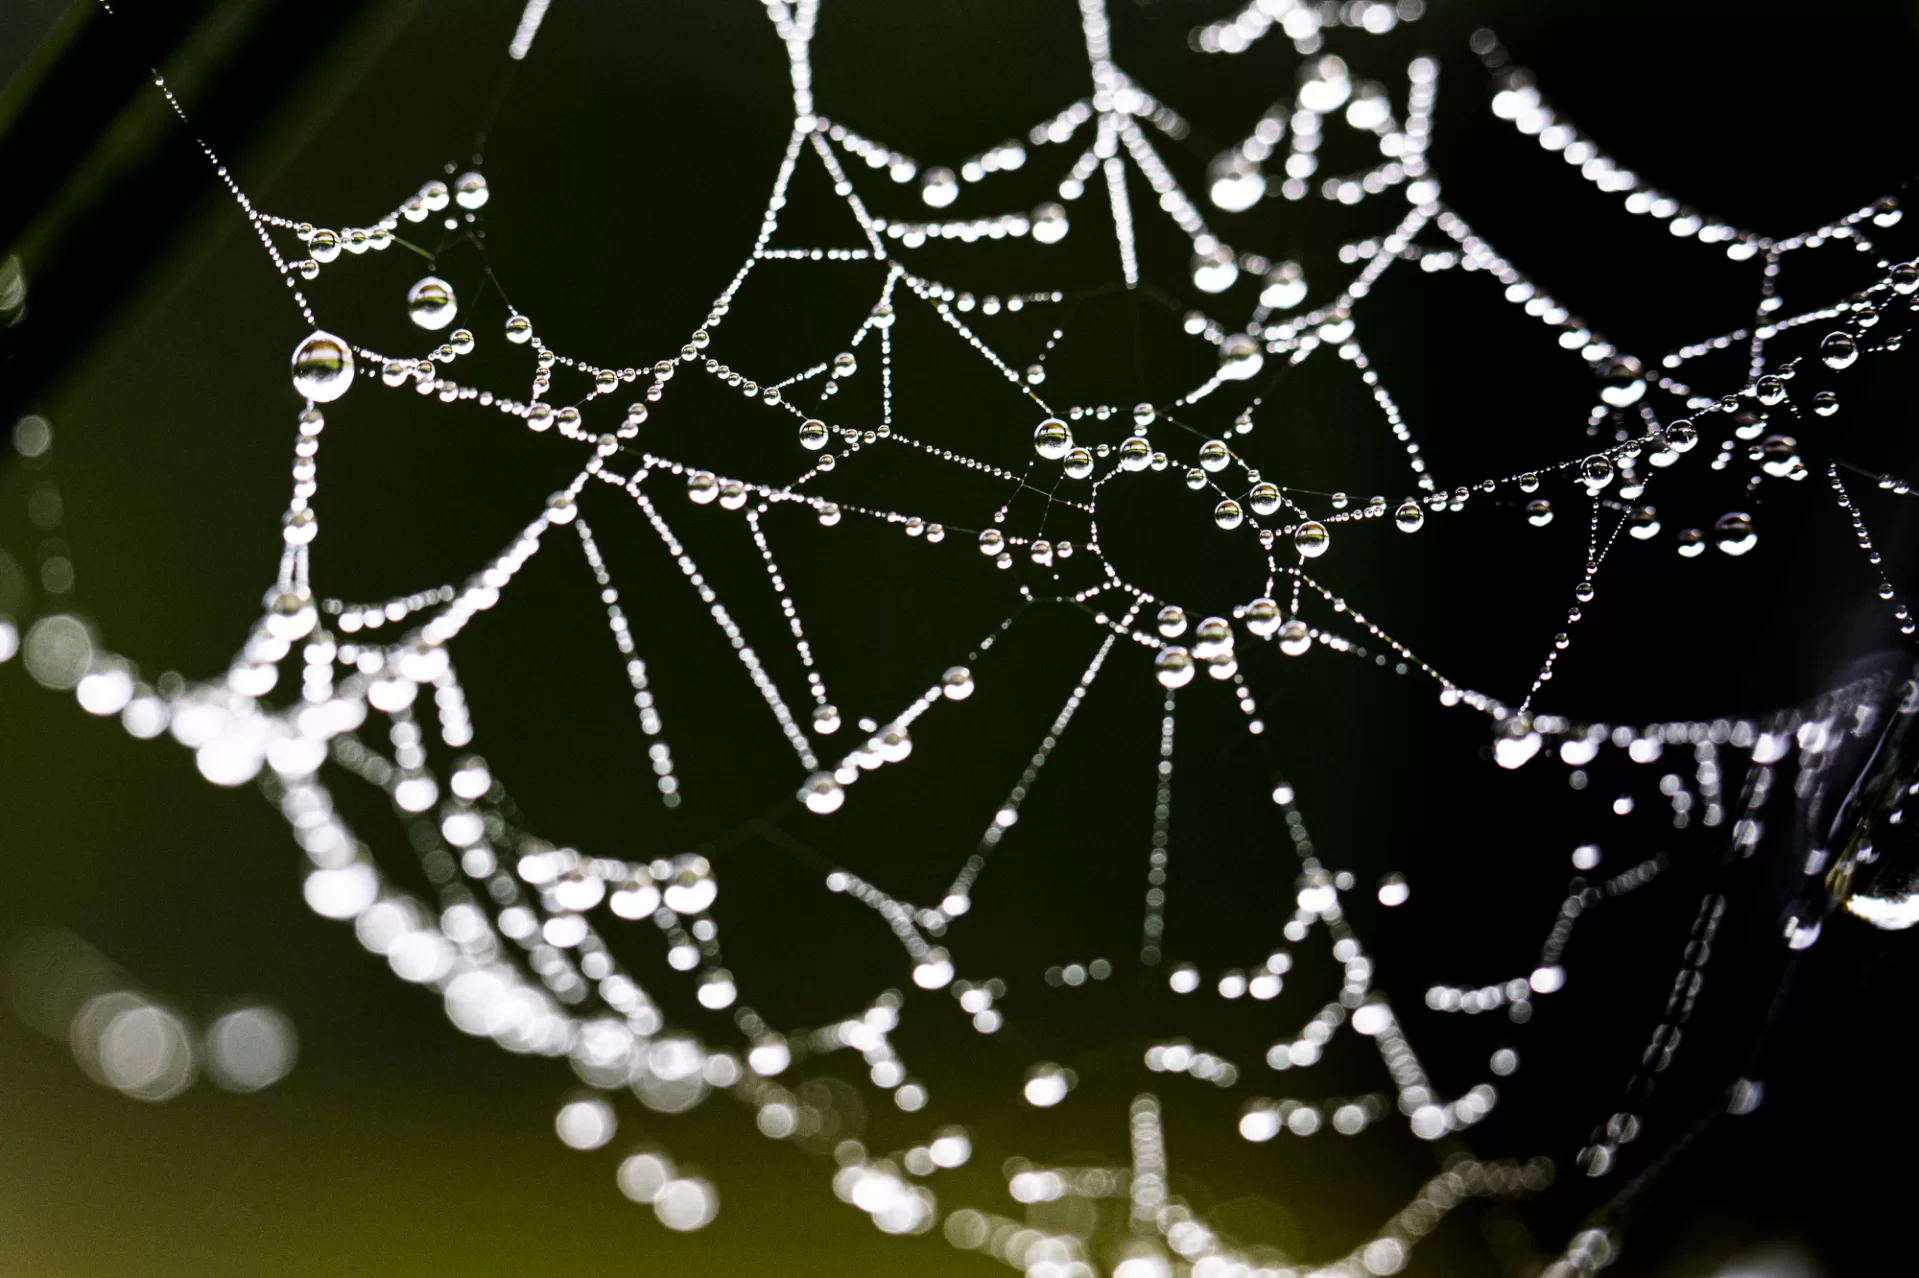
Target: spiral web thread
513,940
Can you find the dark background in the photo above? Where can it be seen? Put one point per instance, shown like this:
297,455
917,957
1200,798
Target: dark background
629,166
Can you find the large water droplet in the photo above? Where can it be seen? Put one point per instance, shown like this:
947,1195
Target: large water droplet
322,367
1240,357
1215,272
1771,389
1838,350
1228,515
1733,533
1214,455
813,434
1597,471
1052,440
1625,382
939,188
1050,224
1539,513
1311,539
1173,667
1264,498
1135,454
1172,621
1236,183
469,190
1681,436
1643,523
1295,638
431,303
1692,542
1079,464
702,486
1262,617
1409,517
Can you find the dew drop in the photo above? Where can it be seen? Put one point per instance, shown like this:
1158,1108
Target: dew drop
1838,350
469,190
1172,621
1079,464
1135,454
431,303
845,365
1262,617
1771,389
1264,499
1240,357
813,434
1734,534
1173,667
1214,455
1539,513
1052,440
1050,224
1295,638
1597,471
1692,543
1311,539
1228,515
1409,517
322,367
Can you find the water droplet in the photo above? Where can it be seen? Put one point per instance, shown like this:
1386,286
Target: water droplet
1905,277
1172,621
1295,638
883,316
1692,542
1215,272
1409,517
956,684
322,367
1228,515
1235,182
939,188
826,720
1264,499
702,486
1262,617
323,246
1779,455
1196,479
992,541
1681,437
1838,350
1825,403
1240,357
1643,523
1311,539
1529,483
1079,464
1539,513
1214,455
431,303
1733,533
1143,415
822,794
1597,471
1173,667
813,434
1050,224
469,190
1625,382
845,365
1135,454
1771,389
1052,440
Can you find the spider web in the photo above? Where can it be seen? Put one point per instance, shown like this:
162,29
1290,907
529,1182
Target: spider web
519,935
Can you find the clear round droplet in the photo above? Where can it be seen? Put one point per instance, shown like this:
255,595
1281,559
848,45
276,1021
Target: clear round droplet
1311,539
1173,667
1734,534
431,304
322,367
1052,440
1839,350
814,435
1409,517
